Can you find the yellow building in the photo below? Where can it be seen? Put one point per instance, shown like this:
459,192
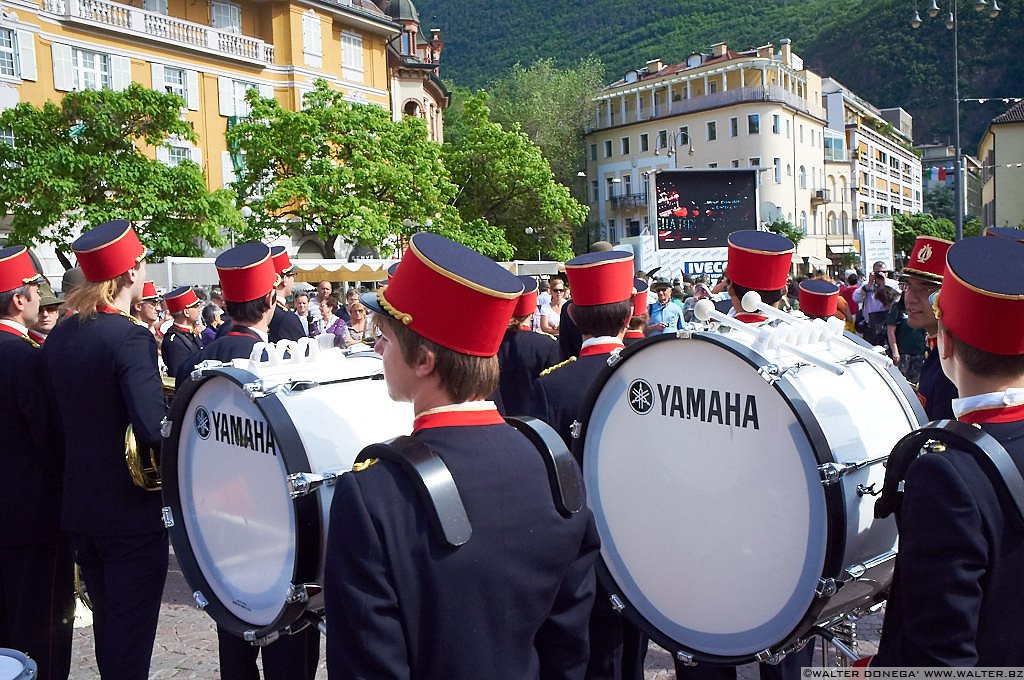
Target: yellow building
1002,171
212,52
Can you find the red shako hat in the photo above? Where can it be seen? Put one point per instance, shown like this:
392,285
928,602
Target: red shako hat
601,278
759,260
149,292
527,302
982,297
108,250
927,259
282,263
180,299
436,268
1006,232
640,288
246,272
16,268
818,297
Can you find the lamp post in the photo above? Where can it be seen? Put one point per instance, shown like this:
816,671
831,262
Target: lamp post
952,20
530,231
246,214
678,139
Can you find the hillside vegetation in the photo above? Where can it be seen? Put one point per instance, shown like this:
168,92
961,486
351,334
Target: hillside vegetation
868,45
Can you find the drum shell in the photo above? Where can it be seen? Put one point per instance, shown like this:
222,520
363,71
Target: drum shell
242,558
844,529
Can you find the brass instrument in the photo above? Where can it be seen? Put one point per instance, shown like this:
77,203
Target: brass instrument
143,461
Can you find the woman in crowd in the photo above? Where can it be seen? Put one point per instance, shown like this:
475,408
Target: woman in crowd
551,312
358,330
332,323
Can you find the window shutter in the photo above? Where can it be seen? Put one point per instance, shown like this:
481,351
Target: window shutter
163,154
158,77
63,73
192,89
27,55
266,91
120,73
227,168
226,94
196,154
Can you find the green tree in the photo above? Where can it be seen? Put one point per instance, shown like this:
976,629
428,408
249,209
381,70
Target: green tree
506,182
345,170
787,229
552,106
84,161
940,203
906,229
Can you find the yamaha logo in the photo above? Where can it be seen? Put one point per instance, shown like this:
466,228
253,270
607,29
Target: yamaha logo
641,397
202,420
925,254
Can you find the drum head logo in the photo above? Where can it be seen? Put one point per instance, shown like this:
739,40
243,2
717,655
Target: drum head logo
641,397
202,422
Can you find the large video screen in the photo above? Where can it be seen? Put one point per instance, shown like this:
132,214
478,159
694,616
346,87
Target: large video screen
700,208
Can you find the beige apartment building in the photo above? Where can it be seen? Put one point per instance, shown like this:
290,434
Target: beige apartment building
1001,153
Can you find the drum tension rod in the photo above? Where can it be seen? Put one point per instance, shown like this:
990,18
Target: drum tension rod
304,483
833,472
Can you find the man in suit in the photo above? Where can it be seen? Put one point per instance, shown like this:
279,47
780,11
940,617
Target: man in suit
523,354
401,601
284,325
921,277
310,323
248,281
956,595
102,369
181,340
37,606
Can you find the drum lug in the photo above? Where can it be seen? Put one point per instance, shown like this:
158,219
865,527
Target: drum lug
254,391
769,657
685,658
304,483
200,599
831,473
168,516
165,428
303,592
827,587
770,373
615,357
617,605
250,637
575,429
300,386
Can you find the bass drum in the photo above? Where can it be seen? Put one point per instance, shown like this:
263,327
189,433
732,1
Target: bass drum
247,448
727,528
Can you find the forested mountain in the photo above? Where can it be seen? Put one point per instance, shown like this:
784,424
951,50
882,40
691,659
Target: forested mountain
868,45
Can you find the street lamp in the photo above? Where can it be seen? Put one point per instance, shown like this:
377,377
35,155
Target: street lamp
409,223
246,214
951,24
530,231
678,140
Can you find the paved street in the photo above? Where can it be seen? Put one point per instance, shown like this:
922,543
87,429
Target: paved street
186,643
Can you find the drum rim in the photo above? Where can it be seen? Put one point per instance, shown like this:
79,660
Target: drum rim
835,506
307,509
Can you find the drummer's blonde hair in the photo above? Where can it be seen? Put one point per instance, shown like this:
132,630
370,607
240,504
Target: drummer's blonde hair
463,377
89,295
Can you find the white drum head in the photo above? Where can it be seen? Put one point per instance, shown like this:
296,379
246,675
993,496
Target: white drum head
14,665
707,497
234,498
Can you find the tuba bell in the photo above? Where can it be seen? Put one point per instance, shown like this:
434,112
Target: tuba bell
143,461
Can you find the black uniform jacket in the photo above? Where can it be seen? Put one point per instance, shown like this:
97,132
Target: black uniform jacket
510,603
104,376
570,340
522,356
558,396
235,344
31,458
957,592
177,346
284,325
935,390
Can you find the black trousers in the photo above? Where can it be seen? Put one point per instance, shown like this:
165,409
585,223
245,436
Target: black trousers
125,578
290,657
37,604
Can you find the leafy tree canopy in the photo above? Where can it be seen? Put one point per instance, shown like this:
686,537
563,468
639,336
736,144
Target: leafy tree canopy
345,170
83,162
906,229
940,202
506,182
787,229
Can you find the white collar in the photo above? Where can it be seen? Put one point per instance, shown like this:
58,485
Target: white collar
602,340
482,405
1011,397
15,325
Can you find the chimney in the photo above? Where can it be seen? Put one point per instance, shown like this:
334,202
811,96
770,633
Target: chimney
719,49
787,50
765,51
436,44
653,66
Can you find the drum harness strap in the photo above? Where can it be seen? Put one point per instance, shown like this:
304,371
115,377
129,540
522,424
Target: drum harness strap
933,438
437,489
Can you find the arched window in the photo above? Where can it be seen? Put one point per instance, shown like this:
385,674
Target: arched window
803,177
803,221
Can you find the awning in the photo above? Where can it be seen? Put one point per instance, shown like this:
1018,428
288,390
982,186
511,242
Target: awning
817,262
842,249
341,270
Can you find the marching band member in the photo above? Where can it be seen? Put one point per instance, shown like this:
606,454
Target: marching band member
248,280
523,354
401,602
102,367
637,322
284,325
819,299
602,284
37,606
921,277
181,340
956,591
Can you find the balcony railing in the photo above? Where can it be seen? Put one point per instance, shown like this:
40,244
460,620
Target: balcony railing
128,19
630,201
